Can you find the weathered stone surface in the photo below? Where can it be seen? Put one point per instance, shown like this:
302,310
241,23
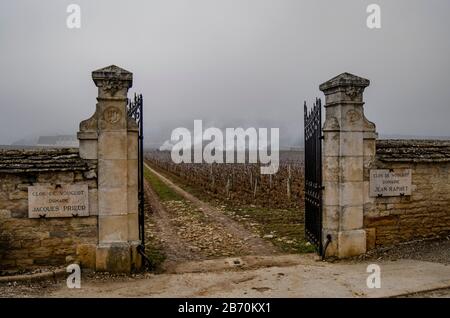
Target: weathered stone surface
86,254
351,169
351,243
108,149
351,193
113,229
345,131
29,242
413,151
40,160
351,218
88,149
133,227
117,152
331,215
344,80
132,199
115,257
424,214
112,81
132,145
93,202
112,173
5,214
112,145
112,201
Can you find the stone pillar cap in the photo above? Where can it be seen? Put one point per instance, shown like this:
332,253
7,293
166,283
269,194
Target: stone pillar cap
112,73
344,80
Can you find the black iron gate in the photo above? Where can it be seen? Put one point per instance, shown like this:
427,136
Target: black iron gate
313,174
135,111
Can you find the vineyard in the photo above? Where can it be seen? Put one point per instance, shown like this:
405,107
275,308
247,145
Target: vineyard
241,184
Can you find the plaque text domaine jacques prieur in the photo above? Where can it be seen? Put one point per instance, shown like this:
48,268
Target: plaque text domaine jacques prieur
58,201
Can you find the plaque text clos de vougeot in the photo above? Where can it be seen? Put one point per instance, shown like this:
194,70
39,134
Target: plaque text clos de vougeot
58,201
390,183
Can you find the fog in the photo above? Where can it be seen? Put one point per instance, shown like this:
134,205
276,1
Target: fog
231,63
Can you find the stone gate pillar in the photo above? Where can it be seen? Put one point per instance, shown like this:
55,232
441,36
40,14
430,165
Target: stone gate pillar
111,137
349,142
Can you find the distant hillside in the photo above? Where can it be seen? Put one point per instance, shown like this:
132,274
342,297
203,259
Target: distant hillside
388,136
48,141
26,142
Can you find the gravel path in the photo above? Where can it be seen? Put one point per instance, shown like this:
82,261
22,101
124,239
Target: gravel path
436,251
190,229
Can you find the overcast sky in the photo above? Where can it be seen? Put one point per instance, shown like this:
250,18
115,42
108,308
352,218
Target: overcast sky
229,62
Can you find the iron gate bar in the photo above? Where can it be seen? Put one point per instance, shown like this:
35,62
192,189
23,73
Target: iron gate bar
136,111
313,174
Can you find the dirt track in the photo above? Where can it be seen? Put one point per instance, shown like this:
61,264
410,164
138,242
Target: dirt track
190,229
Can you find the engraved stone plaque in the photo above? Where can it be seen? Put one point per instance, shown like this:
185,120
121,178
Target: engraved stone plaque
67,200
390,183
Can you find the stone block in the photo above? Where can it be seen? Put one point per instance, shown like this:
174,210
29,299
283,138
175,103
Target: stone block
352,118
5,214
351,144
331,144
331,217
114,258
351,169
17,254
351,243
369,147
93,202
112,173
330,168
18,195
30,243
331,193
132,177
41,252
88,149
24,262
112,145
91,174
112,201
351,193
113,228
136,258
132,145
113,115
370,238
86,255
351,218
133,227
19,213
51,242
132,199
56,177
366,194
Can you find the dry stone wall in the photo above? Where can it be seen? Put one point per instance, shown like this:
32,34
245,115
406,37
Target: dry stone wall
28,242
424,214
